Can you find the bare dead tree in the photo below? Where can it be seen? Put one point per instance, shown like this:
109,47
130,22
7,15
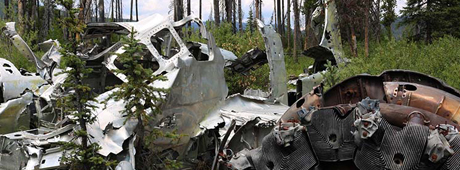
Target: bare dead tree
234,16
278,9
47,17
101,11
282,18
366,29
216,12
178,10
288,23
131,12
21,16
228,10
112,9
295,6
240,17
96,6
257,4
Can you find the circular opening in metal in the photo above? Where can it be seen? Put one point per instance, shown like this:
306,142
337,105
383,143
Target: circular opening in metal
398,159
332,138
410,87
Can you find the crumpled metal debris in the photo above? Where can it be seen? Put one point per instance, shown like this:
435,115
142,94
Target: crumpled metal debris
197,104
14,115
284,133
368,117
387,134
437,147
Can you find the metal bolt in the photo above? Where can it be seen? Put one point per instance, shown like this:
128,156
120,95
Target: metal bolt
434,157
365,134
366,124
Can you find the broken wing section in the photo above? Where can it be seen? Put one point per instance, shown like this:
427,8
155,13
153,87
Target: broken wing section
21,45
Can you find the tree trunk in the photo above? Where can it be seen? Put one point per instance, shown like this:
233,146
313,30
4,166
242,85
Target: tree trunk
189,12
216,12
228,10
240,17
96,7
307,15
7,7
101,11
354,47
378,22
46,18
288,23
282,18
428,23
178,10
296,28
257,4
201,5
21,16
275,17
280,26
131,12
81,13
234,16
137,11
366,29
113,9
117,11
260,9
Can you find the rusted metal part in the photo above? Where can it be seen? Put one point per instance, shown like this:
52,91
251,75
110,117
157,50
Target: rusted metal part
398,115
427,98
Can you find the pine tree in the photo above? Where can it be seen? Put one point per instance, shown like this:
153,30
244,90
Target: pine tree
435,18
137,93
389,15
79,155
251,20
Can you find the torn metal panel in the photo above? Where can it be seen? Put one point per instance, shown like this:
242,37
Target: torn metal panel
11,155
386,134
275,56
331,39
10,32
13,83
254,119
110,130
14,115
52,57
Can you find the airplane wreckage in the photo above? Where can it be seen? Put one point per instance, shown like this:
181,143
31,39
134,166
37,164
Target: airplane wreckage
396,120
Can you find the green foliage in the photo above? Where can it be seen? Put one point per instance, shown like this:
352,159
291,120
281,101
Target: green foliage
389,15
81,158
439,59
329,77
79,155
239,44
11,53
251,22
136,92
435,18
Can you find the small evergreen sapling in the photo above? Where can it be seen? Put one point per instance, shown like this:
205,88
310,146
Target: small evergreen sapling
142,100
79,154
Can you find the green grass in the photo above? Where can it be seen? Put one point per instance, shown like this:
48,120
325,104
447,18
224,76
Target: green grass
10,52
440,59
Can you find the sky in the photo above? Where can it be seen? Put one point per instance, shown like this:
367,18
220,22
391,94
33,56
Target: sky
149,7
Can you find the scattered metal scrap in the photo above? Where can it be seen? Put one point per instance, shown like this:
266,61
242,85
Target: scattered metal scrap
196,106
397,120
325,24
